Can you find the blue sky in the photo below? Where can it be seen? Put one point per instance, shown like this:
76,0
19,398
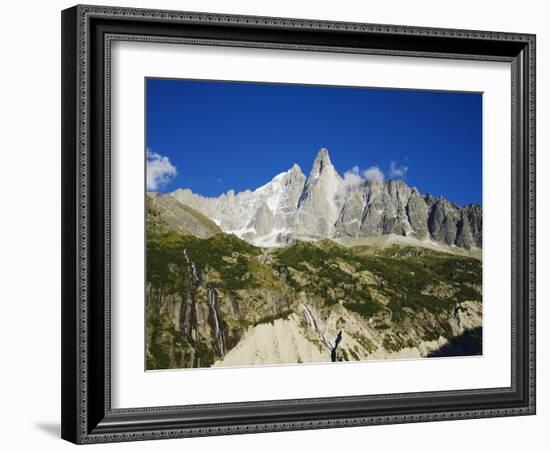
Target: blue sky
212,136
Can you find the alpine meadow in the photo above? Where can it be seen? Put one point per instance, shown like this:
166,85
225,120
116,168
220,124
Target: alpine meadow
294,224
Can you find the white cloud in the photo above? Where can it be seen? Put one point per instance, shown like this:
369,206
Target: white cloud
352,177
159,170
397,171
373,174
355,177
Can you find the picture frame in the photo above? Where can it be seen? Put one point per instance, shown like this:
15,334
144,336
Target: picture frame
87,35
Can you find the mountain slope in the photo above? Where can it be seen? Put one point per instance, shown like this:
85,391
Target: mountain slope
223,301
292,207
374,244
175,216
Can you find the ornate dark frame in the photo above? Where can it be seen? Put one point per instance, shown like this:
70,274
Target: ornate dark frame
87,33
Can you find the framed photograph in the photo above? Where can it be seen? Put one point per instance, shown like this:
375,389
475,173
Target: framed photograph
277,224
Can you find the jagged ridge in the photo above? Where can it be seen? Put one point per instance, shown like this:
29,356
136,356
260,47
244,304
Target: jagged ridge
295,207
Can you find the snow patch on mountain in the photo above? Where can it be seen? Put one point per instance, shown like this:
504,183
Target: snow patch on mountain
272,191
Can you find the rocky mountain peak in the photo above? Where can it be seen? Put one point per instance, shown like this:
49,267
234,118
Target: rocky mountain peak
295,169
292,207
321,163
295,172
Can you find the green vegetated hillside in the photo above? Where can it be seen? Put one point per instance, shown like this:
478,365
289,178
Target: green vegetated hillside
219,300
164,214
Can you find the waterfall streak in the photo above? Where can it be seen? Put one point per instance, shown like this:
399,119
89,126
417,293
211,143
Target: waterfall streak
212,298
312,323
213,301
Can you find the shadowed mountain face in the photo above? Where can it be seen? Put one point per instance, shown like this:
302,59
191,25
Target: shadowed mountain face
293,207
466,344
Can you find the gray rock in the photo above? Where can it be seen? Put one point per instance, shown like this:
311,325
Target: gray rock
292,187
417,213
349,220
292,207
475,220
442,222
316,212
263,220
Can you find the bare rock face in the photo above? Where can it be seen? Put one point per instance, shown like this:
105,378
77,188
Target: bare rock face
475,222
389,208
263,220
292,207
417,213
464,236
375,213
443,220
282,195
230,211
349,220
292,188
316,211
